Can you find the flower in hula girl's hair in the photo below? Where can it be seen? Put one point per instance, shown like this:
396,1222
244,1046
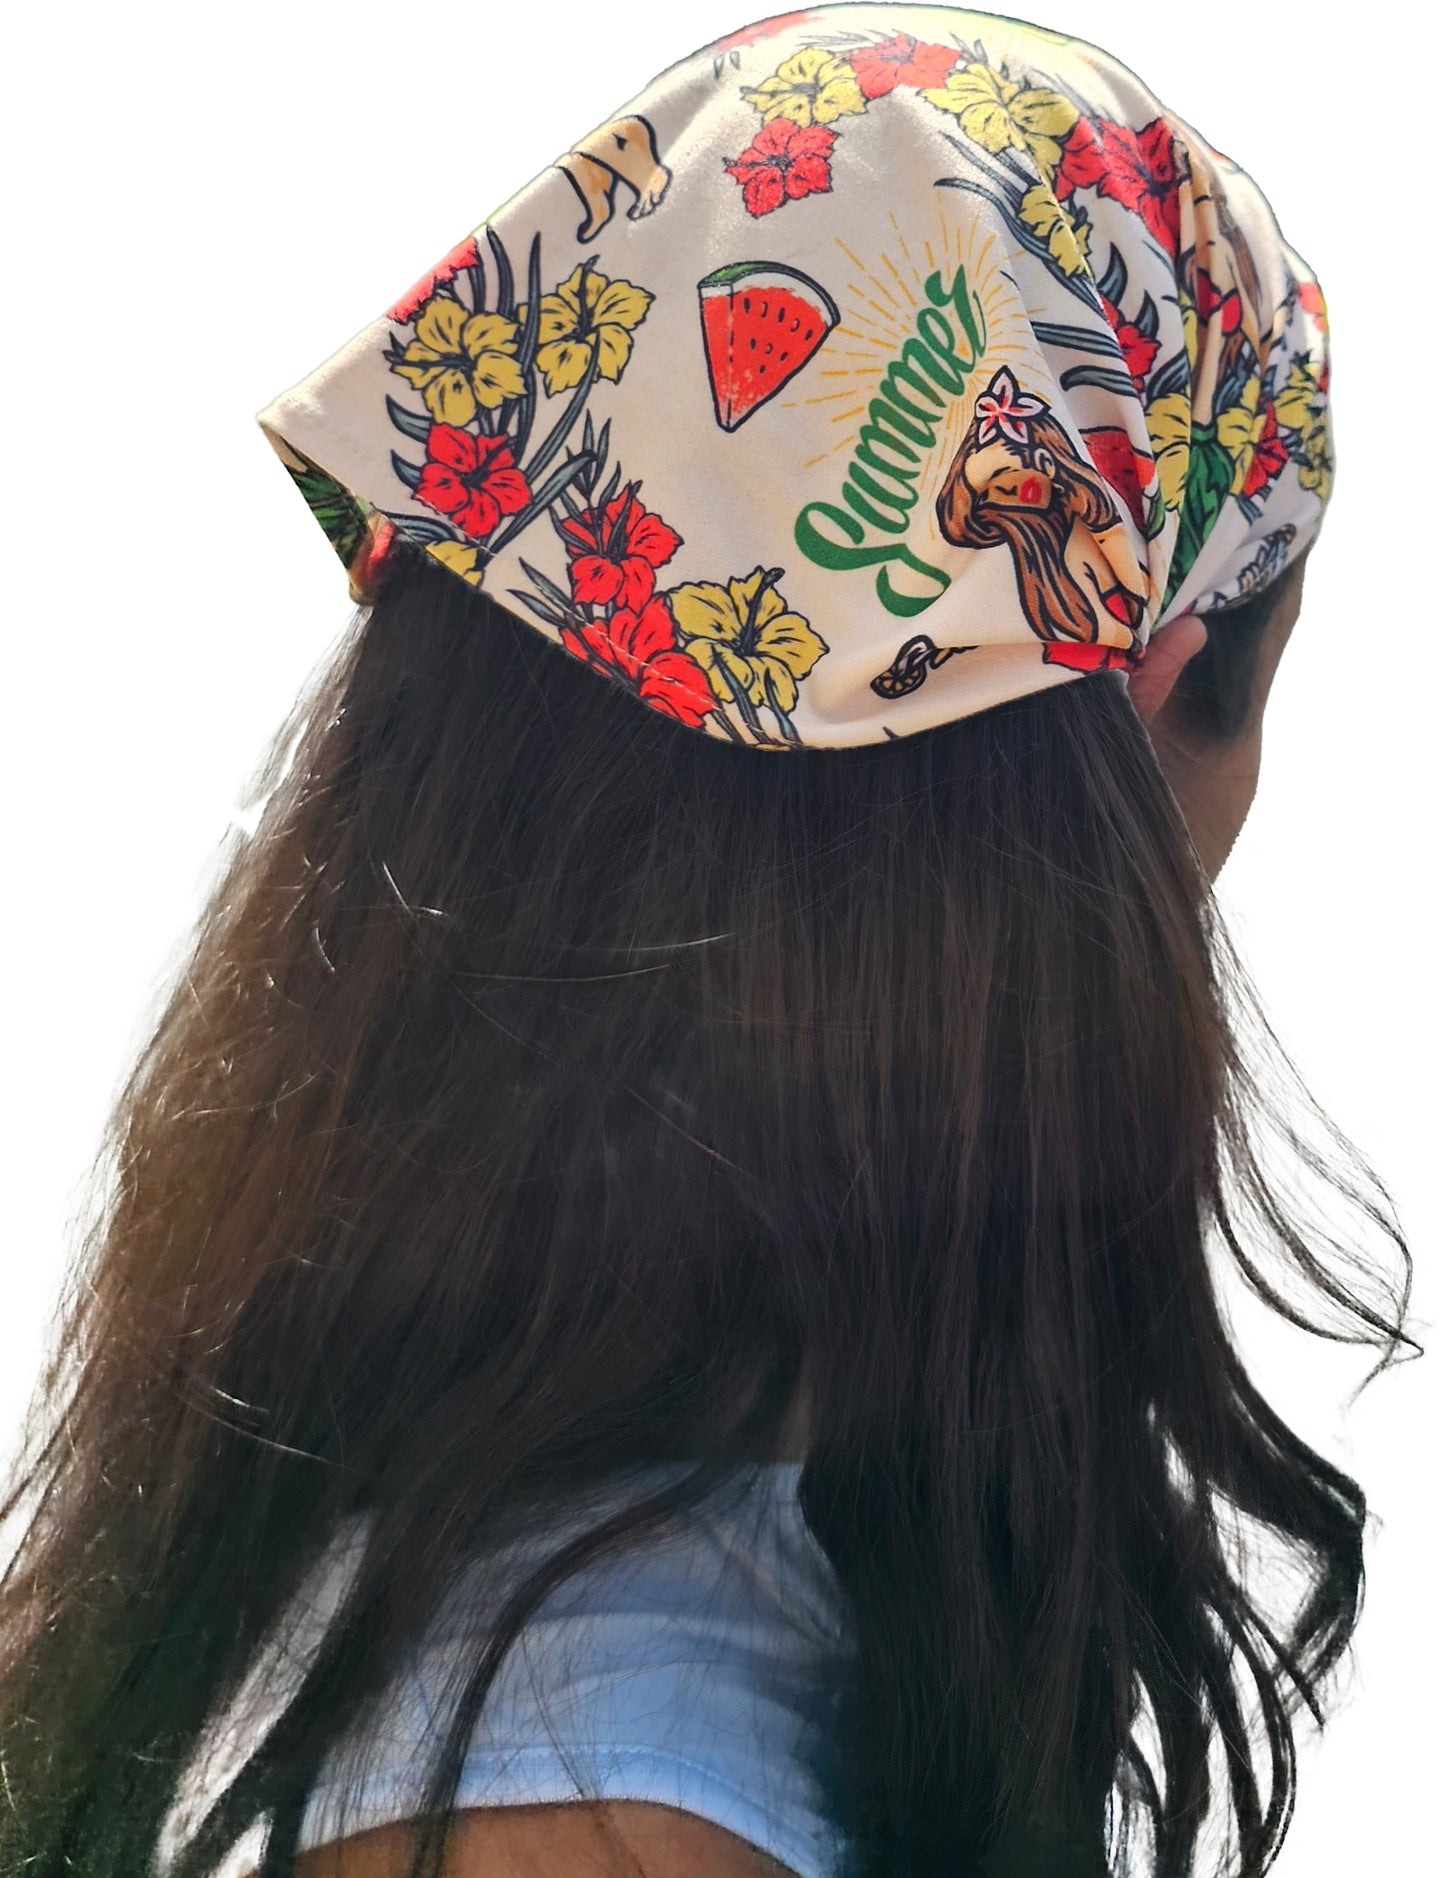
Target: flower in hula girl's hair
782,163
588,314
473,480
1251,436
1139,168
461,360
1005,409
639,646
1066,236
1000,114
900,60
814,86
1169,437
463,256
746,637
615,551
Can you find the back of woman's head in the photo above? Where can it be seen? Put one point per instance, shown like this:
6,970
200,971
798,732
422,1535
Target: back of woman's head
553,1088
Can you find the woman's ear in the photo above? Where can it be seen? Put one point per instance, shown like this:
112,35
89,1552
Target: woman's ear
1166,655
1045,463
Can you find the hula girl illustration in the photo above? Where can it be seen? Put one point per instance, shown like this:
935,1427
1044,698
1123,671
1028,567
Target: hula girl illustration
1017,482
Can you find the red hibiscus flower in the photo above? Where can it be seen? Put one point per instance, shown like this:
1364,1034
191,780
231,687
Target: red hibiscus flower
900,60
784,161
1208,299
474,480
1094,658
1126,470
1270,455
640,647
463,255
1139,350
614,551
1136,167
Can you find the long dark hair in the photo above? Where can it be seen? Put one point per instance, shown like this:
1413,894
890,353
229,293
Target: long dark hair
550,1089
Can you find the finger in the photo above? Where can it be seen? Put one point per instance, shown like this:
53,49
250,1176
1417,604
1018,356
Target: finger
1165,657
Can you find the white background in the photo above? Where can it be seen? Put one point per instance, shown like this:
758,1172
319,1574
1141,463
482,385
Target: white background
207,201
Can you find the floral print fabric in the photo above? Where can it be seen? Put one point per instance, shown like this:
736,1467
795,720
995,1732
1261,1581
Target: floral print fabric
872,366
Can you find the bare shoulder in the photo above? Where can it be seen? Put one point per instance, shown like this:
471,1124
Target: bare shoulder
582,1839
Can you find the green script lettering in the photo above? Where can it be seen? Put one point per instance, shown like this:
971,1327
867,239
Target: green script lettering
880,485
836,554
965,306
890,407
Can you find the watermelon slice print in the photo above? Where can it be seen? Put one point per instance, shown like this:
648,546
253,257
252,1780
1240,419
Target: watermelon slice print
761,323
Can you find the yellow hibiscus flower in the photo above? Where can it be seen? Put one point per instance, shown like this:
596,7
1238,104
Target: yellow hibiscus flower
574,322
459,360
746,633
1239,429
1168,420
1000,114
814,86
460,559
1067,236
1294,406
1316,459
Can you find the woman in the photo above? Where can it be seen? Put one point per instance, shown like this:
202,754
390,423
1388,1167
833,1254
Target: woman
1018,480
655,1309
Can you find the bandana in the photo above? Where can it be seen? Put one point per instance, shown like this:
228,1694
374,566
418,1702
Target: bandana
874,365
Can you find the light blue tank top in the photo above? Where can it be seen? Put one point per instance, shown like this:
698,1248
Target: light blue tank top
701,1669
